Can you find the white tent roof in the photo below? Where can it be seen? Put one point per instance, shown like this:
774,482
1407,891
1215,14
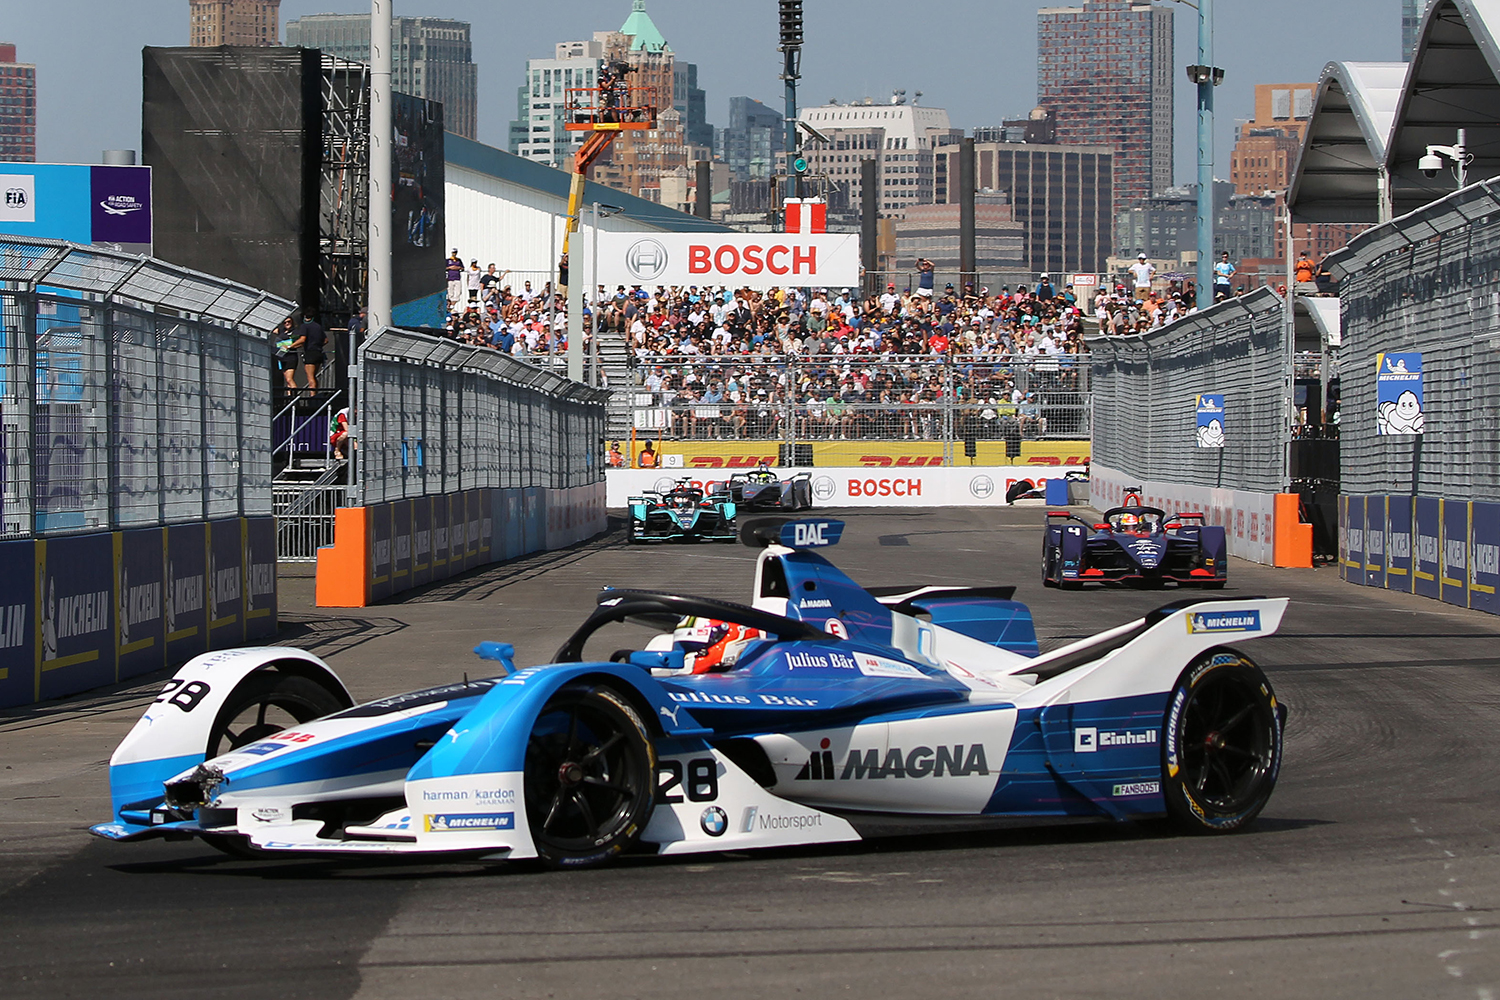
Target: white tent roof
1338,172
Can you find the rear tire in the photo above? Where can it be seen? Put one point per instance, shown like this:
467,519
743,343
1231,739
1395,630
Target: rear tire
1047,563
590,778
1221,744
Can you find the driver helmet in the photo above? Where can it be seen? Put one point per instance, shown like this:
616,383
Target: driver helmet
1130,521
712,645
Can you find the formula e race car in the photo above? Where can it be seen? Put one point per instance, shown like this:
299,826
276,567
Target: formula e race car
763,490
683,513
1138,545
812,715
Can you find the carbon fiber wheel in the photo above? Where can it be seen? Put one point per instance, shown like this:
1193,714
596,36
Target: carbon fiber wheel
590,777
1221,746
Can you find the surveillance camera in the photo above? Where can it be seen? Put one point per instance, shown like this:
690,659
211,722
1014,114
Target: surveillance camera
1430,165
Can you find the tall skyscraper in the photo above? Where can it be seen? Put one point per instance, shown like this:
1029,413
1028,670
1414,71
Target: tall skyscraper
755,137
233,22
433,58
17,107
1411,22
1105,71
1265,156
537,132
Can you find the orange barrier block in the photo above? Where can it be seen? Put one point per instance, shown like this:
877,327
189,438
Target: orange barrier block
1292,544
344,567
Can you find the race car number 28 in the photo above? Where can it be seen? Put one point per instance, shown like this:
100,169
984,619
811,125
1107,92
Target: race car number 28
184,696
701,784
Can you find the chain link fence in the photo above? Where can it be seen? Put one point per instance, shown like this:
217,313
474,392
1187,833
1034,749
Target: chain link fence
133,393
1146,389
1426,282
843,402
438,417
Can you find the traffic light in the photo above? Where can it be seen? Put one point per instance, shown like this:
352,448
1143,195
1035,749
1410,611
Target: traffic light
799,166
791,24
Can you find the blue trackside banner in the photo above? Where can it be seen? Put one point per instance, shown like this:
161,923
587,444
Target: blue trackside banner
487,553
421,541
260,578
513,523
1354,541
438,509
1426,562
1374,541
1200,622
1343,537
140,582
226,583
380,551
1484,557
1398,543
19,677
401,545
186,599
535,515
1455,552
76,648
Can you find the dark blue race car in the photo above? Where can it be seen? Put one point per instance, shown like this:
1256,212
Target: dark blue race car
764,490
683,513
1137,545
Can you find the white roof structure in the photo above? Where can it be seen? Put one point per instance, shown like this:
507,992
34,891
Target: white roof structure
1452,83
907,122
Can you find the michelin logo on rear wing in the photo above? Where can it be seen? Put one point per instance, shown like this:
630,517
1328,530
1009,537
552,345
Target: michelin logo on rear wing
1224,621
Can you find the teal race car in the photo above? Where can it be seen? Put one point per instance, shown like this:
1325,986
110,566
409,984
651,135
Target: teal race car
684,513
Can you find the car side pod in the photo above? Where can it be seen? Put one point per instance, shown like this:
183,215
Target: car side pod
799,534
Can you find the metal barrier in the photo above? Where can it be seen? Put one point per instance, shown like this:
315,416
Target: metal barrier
1145,390
794,402
438,417
1425,283
135,393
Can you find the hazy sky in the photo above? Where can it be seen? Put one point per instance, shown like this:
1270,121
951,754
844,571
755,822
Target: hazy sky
977,58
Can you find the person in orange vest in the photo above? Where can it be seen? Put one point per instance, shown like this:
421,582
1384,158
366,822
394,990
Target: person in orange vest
1306,271
648,457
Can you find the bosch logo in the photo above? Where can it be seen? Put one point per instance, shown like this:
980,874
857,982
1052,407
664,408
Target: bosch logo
646,260
824,488
983,487
663,485
714,821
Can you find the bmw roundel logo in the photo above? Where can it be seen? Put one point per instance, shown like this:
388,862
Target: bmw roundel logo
714,822
646,260
982,487
824,488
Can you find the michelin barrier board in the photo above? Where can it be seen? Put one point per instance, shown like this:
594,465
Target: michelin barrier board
1249,518
81,611
916,487
386,548
1448,550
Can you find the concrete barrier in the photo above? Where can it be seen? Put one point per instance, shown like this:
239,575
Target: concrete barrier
914,487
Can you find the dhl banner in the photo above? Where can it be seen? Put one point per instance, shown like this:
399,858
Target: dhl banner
914,487
704,456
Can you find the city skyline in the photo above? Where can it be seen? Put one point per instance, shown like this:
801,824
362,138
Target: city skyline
77,118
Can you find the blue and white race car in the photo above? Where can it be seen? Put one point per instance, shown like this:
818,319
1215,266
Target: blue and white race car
801,718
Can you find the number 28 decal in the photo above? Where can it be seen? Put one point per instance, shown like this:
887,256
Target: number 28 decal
702,784
184,696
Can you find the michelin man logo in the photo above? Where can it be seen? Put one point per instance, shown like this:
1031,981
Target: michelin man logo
49,622
1404,416
122,615
1211,435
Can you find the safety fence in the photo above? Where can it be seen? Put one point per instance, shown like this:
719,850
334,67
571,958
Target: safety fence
436,417
1424,285
134,393
1148,391
827,410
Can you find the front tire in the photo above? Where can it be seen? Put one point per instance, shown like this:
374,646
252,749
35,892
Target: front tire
590,778
1221,744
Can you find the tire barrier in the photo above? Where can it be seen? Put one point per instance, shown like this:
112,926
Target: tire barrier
384,549
81,611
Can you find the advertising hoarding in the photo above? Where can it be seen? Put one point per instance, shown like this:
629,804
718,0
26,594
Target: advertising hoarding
103,206
738,260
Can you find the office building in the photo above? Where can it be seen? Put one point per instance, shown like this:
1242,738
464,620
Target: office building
1411,23
753,141
902,137
1265,156
432,58
932,231
17,108
233,22
1106,73
1062,196
537,132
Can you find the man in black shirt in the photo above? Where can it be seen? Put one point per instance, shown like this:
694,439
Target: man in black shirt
310,339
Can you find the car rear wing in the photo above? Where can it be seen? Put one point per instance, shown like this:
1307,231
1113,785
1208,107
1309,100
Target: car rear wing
1067,515
799,476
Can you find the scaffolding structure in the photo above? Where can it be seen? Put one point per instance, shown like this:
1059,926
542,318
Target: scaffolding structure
344,206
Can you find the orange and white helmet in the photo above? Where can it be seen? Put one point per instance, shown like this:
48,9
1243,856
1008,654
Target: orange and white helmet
1130,521
712,645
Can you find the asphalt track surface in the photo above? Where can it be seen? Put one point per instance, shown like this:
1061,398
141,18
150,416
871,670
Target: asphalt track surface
1372,873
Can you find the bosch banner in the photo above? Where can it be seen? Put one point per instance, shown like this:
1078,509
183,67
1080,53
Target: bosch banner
1398,393
738,260
1210,421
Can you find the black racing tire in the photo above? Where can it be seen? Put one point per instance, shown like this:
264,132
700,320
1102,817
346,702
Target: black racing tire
589,776
1214,585
1070,584
264,704
1047,564
1221,744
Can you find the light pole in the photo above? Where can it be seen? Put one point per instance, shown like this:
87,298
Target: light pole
1207,76
378,241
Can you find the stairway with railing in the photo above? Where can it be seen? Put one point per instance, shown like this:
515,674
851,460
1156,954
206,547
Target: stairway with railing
309,478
